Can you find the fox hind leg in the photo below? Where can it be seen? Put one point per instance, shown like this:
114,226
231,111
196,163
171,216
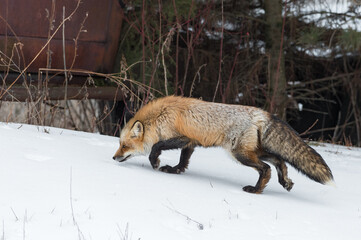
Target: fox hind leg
281,171
251,159
183,162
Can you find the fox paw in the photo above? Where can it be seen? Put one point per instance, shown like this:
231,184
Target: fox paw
155,164
288,184
251,189
169,169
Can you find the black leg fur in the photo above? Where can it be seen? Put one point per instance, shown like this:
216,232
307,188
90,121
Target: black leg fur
183,162
263,169
281,171
173,143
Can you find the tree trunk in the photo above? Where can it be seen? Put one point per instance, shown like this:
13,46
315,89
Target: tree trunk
277,96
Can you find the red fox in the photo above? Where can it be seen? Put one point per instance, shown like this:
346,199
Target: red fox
250,134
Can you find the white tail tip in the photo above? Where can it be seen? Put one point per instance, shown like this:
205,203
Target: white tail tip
331,183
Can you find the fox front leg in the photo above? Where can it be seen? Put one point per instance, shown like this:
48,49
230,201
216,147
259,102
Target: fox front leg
183,162
173,143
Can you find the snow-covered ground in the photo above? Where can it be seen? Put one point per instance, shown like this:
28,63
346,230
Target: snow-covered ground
61,184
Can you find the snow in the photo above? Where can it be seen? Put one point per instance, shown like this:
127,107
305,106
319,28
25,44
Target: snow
62,184
322,9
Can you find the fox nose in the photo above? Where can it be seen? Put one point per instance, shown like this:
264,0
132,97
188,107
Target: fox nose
114,158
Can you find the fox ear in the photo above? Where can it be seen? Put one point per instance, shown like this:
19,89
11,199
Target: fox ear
137,129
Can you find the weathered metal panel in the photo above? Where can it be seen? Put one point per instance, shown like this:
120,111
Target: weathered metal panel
27,21
22,94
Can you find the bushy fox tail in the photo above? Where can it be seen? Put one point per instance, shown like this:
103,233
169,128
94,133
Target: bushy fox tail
282,141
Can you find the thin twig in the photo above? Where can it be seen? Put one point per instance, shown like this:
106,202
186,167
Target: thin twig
8,27
219,82
194,79
65,72
125,235
71,194
81,30
51,17
305,132
80,234
166,44
16,217
24,223
199,225
3,236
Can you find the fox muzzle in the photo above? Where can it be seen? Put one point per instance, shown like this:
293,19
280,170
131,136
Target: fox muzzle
121,159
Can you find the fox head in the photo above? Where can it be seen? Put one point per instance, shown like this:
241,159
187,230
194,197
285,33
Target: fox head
131,142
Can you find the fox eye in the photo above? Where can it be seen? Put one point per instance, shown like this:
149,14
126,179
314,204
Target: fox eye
124,146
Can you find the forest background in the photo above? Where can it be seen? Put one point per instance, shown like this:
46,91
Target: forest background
297,59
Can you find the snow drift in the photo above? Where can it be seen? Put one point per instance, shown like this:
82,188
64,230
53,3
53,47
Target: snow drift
61,184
